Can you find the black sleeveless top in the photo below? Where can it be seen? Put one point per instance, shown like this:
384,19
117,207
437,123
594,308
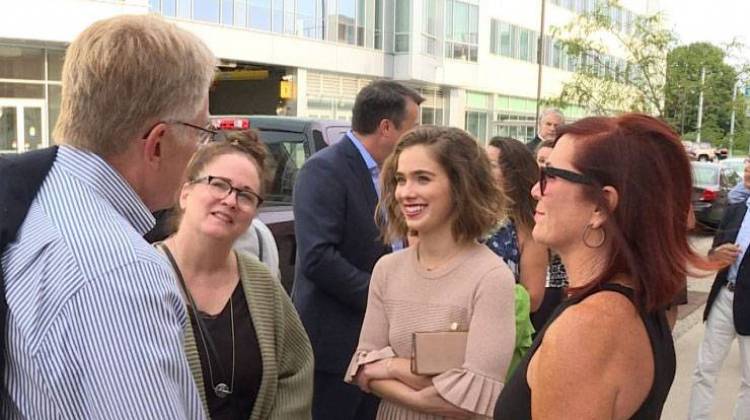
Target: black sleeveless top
515,400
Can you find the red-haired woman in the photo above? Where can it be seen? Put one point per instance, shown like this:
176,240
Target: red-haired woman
614,201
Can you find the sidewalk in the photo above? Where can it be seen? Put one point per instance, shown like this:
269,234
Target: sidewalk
686,347
688,334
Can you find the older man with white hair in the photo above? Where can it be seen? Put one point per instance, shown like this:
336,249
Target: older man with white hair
549,120
95,318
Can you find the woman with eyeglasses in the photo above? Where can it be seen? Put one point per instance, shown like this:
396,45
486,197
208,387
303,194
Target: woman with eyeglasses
249,353
437,185
614,201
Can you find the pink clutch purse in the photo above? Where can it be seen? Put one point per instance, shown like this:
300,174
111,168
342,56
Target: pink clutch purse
433,353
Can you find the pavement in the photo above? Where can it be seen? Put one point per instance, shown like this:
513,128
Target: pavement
688,334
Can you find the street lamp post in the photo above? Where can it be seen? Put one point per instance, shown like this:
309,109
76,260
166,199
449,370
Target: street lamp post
731,121
700,104
540,59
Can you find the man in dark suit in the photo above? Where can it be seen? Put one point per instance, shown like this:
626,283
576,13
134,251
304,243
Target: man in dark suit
727,312
338,242
549,120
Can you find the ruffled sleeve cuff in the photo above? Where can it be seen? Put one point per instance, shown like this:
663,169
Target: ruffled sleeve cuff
468,390
364,357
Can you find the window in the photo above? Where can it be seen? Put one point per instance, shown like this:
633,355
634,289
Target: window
347,21
169,7
227,12
378,42
557,51
278,16
526,47
310,19
183,9
260,14
513,41
21,63
206,10
55,64
461,30
403,18
429,28
476,124
286,155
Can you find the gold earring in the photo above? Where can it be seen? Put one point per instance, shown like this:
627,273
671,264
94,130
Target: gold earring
587,230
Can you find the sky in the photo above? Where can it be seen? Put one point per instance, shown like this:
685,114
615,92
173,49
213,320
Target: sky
715,21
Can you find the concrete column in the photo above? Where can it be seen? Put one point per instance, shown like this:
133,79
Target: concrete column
457,108
300,100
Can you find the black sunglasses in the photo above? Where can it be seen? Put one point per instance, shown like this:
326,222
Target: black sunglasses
546,172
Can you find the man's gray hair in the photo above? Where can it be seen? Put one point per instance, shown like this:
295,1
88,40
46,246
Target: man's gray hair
548,111
123,75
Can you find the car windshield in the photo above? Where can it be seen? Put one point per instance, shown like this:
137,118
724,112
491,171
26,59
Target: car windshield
705,175
704,145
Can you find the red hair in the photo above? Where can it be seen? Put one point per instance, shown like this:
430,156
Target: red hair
644,160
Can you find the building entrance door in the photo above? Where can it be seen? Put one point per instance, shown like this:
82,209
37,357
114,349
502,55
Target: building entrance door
23,125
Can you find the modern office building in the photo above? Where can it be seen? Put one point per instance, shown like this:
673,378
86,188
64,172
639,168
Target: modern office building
474,60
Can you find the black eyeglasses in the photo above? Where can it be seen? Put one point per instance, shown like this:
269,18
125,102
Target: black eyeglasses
547,171
206,136
222,188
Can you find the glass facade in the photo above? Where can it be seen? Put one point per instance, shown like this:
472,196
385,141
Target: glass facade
354,22
429,27
621,18
461,30
402,26
513,41
432,110
29,96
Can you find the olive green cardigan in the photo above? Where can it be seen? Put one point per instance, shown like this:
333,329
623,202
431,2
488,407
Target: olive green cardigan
286,387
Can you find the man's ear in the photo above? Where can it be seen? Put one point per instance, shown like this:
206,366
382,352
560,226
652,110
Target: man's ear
385,125
153,144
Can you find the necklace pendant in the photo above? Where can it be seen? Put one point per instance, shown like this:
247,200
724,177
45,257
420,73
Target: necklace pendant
222,390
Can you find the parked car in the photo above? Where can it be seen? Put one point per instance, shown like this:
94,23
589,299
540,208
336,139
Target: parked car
735,164
290,141
711,184
703,151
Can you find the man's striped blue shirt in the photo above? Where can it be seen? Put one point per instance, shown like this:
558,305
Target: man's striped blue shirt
95,318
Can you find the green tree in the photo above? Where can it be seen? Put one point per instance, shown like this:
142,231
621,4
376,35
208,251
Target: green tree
634,81
683,88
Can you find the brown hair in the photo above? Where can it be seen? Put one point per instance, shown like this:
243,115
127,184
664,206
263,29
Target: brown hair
520,173
643,159
245,143
476,198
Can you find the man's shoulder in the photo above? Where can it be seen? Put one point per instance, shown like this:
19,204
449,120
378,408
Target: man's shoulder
89,225
333,154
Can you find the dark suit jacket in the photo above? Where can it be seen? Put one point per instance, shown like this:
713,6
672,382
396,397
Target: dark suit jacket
532,145
338,245
727,232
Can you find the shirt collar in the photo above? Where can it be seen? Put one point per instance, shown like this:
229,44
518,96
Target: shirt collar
369,161
93,171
